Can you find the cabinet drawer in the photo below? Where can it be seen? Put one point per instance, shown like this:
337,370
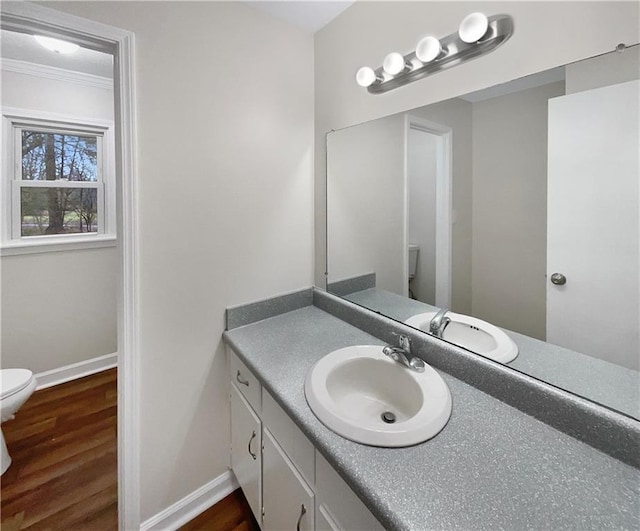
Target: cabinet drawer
297,447
346,510
245,381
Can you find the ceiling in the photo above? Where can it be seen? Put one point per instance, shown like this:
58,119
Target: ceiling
23,47
309,16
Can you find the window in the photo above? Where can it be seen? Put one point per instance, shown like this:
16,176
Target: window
59,187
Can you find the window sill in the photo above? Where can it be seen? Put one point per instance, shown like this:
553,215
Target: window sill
57,245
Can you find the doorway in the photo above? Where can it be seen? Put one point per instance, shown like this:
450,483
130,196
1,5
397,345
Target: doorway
26,18
428,221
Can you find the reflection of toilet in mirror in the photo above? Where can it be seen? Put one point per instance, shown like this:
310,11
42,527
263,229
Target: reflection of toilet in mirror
16,386
413,265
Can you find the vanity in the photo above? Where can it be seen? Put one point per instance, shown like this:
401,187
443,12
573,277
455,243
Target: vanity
492,466
470,232
287,482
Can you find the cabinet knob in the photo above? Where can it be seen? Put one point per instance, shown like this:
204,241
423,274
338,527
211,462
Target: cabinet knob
303,511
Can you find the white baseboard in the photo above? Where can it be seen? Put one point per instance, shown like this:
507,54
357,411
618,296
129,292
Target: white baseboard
192,505
76,370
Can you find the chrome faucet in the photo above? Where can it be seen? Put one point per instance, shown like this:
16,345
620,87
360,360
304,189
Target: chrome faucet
402,354
439,323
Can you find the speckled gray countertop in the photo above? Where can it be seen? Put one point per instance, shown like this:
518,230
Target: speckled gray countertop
614,386
492,467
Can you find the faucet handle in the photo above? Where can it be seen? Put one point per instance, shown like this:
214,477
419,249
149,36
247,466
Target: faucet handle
405,344
403,341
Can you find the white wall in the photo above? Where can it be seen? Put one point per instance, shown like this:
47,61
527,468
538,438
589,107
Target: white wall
367,171
609,69
58,308
57,96
225,151
510,209
547,34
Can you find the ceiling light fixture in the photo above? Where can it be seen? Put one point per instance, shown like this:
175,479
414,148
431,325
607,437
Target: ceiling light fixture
56,45
476,36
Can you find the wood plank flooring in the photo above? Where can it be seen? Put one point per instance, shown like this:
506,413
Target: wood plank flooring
64,470
231,514
64,451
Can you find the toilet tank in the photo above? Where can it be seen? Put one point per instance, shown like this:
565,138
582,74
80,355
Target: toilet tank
413,260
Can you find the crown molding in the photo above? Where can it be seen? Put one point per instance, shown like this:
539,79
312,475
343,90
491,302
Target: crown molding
57,74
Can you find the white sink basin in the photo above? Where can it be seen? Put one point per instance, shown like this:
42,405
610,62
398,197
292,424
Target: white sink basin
351,389
473,334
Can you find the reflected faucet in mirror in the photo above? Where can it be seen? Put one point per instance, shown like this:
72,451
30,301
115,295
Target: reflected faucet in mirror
439,322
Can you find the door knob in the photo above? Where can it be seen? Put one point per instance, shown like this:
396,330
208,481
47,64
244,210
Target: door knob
558,279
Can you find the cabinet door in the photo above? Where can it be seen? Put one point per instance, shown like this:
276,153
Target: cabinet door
246,458
340,503
287,499
324,521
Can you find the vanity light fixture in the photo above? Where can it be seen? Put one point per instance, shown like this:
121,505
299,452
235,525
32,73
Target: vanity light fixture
394,64
476,36
428,49
56,45
473,27
366,76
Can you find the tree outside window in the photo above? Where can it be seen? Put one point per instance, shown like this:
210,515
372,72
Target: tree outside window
52,161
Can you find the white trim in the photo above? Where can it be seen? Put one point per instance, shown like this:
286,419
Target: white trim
57,74
70,243
76,370
443,201
193,504
27,17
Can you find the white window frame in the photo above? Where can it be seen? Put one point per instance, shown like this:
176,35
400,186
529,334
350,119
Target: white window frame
13,122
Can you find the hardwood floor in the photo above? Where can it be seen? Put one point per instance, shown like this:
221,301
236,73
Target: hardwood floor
64,451
231,514
64,470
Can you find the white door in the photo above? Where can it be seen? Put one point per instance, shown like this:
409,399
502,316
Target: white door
593,223
246,455
288,501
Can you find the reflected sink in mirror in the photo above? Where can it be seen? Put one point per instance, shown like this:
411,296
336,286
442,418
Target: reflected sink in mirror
473,334
362,395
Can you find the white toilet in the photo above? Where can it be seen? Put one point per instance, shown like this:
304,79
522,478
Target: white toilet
413,260
16,386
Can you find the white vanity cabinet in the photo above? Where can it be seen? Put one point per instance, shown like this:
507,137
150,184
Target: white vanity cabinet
287,483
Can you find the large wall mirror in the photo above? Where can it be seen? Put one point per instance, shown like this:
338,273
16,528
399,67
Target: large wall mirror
505,221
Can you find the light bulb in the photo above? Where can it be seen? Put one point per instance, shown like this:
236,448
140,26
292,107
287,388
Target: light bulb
473,27
365,76
56,45
393,63
428,49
